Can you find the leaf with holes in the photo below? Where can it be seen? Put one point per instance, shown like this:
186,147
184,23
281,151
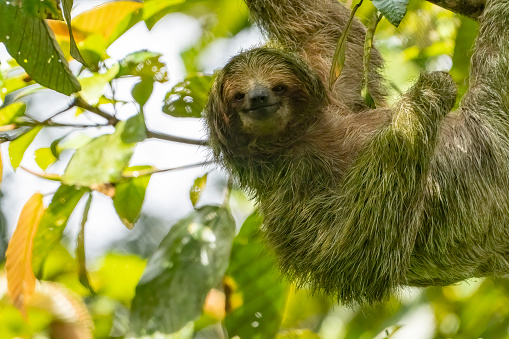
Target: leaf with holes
188,98
144,64
31,42
20,277
189,262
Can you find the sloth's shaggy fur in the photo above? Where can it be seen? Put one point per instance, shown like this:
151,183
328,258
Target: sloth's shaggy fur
358,202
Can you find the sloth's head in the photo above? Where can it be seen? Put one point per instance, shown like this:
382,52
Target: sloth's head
263,96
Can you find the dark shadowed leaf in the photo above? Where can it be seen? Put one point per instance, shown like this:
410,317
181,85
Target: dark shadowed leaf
393,10
258,294
144,64
187,99
54,221
75,53
100,161
129,196
31,42
18,147
189,262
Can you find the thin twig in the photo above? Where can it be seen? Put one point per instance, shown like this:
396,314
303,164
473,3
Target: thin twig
65,109
136,174
58,124
162,136
47,176
85,105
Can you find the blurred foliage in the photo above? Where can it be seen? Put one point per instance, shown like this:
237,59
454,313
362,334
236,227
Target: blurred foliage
192,284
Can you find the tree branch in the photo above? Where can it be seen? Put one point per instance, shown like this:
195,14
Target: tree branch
468,8
162,136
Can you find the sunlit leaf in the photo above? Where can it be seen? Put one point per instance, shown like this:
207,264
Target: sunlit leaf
257,293
100,161
20,31
144,64
393,10
118,276
298,334
154,10
18,147
20,277
1,168
104,19
187,99
197,189
55,220
44,158
189,262
9,113
129,197
93,86
14,82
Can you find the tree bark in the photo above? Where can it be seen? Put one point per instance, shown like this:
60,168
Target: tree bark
468,8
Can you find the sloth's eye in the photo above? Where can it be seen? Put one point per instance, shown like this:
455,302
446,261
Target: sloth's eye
279,89
239,96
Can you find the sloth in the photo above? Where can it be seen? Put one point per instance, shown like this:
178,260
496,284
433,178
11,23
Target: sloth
359,202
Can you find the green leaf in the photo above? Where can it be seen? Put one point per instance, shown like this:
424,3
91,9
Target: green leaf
9,113
393,10
118,275
298,334
154,10
144,64
190,261
75,52
135,129
80,248
31,42
258,294
54,221
197,189
44,157
100,161
93,87
188,98
129,197
142,91
44,9
18,147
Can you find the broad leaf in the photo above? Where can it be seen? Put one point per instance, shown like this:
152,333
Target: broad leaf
129,196
135,129
393,10
142,91
258,294
18,147
44,158
197,189
31,42
144,64
155,10
189,262
100,161
9,113
188,98
67,7
93,86
20,277
54,221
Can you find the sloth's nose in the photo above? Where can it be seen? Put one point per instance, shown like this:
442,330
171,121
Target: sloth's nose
258,97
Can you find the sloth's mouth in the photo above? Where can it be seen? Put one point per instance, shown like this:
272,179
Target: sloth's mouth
263,112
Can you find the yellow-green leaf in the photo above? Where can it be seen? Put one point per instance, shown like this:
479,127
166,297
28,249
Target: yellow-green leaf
18,147
1,168
44,157
20,277
9,113
197,189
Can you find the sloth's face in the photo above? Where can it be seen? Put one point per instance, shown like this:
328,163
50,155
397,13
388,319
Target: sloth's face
262,105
